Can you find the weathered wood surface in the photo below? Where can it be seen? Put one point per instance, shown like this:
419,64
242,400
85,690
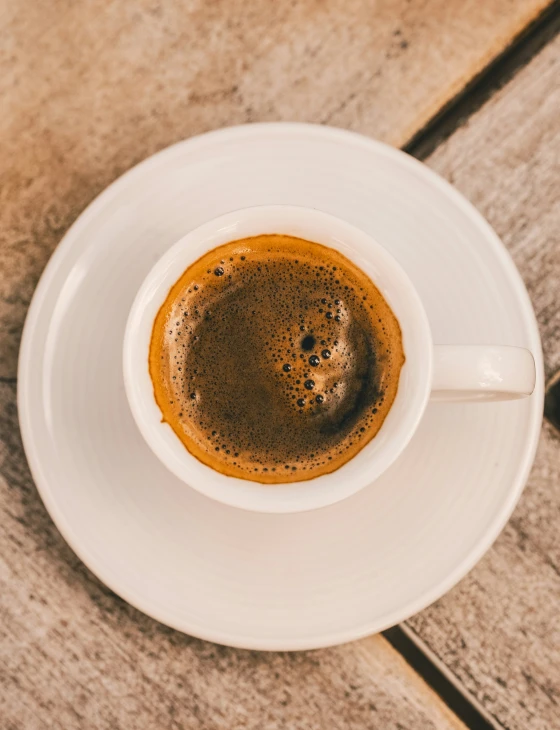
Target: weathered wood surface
74,656
498,631
89,89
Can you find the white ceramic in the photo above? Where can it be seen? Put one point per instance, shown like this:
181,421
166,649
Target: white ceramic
462,372
273,581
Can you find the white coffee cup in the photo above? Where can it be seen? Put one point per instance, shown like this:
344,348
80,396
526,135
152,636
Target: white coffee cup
440,372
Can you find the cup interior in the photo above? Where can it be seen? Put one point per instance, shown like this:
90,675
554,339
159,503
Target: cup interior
414,383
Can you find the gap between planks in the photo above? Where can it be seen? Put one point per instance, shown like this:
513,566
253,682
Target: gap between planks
527,44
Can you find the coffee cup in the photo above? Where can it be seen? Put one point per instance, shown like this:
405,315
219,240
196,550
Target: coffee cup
468,373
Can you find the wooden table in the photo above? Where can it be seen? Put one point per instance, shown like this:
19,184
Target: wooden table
87,90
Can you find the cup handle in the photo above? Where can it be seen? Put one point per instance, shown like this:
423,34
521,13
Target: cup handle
482,373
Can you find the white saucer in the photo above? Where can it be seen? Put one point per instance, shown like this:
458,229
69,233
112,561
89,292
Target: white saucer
272,581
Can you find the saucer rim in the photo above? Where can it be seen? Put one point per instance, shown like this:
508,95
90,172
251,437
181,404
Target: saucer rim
428,596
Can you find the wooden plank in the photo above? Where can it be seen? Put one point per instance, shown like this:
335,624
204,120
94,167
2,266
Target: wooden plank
498,631
73,655
88,89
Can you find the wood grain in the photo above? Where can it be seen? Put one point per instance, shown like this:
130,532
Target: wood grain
89,89
74,655
498,631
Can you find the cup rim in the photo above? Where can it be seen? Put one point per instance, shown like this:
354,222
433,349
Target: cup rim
291,496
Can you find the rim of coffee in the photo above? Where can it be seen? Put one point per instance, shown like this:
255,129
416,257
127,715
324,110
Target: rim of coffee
275,359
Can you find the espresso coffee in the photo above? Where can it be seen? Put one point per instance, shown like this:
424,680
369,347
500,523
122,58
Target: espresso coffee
275,359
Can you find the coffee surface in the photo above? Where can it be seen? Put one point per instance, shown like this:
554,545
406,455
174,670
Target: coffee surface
275,359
